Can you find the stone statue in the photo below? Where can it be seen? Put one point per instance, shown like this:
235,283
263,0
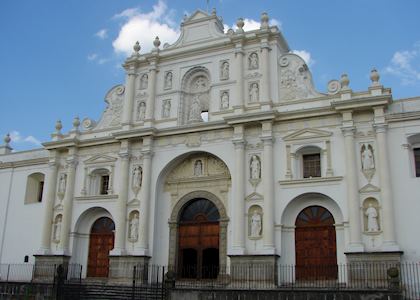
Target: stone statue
134,228
372,218
254,92
253,61
367,158
255,224
195,111
255,167
141,113
168,80
62,184
57,229
224,72
200,84
198,168
144,81
224,100
137,177
166,112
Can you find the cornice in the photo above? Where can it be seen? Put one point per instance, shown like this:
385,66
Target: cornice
251,117
361,103
24,163
314,180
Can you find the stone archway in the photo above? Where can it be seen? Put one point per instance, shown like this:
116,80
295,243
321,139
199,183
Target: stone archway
174,225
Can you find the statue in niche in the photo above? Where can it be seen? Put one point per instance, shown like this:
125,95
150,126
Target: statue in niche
134,227
253,61
254,92
255,224
62,184
137,177
224,100
200,84
168,80
224,71
195,111
144,81
255,167
141,111
166,111
367,157
57,229
198,168
372,218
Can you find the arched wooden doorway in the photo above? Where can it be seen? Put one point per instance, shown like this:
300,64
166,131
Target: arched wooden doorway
315,244
101,241
198,240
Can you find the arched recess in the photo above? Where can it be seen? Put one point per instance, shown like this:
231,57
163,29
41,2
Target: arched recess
175,218
195,95
288,221
81,234
34,188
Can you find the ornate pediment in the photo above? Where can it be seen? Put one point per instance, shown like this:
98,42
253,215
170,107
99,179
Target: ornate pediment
254,197
112,114
307,133
134,203
100,159
369,188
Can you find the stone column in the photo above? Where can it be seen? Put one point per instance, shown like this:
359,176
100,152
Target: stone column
71,161
129,97
268,182
389,243
145,197
329,172
239,66
238,213
355,242
150,106
289,174
49,204
120,226
265,70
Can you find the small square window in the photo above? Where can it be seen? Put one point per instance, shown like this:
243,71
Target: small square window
311,165
417,161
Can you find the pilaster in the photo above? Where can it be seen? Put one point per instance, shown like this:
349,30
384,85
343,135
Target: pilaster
150,106
265,69
239,66
129,97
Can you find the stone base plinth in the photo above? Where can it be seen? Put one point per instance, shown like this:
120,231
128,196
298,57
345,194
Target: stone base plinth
46,265
121,268
373,267
254,268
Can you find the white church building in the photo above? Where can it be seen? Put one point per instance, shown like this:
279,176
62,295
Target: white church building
218,150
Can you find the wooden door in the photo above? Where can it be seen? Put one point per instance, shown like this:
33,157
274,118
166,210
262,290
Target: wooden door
315,244
198,240
101,242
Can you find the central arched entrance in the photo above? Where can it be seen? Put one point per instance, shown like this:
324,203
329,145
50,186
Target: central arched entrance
101,241
315,244
198,239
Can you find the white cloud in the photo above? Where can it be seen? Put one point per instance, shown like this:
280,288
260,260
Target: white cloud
251,24
144,27
92,56
17,138
405,65
306,56
102,34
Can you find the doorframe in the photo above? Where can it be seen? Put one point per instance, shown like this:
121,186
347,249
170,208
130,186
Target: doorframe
173,226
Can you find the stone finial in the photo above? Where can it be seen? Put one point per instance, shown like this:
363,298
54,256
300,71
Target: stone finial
136,48
264,20
76,123
344,82
240,24
213,11
374,77
156,42
6,149
58,127
7,140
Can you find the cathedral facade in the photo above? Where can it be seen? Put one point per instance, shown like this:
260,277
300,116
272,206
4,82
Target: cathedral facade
216,151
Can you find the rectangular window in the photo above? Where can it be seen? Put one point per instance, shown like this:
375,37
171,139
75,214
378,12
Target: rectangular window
311,165
104,185
417,161
40,190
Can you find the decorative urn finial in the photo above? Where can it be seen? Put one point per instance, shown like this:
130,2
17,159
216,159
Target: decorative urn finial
240,24
156,42
58,126
213,11
344,82
374,76
136,48
264,20
7,139
76,123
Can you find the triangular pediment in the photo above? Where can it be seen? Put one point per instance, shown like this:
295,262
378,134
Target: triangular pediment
100,159
197,15
369,188
307,133
254,197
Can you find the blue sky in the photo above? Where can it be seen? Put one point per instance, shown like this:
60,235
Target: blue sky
59,58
